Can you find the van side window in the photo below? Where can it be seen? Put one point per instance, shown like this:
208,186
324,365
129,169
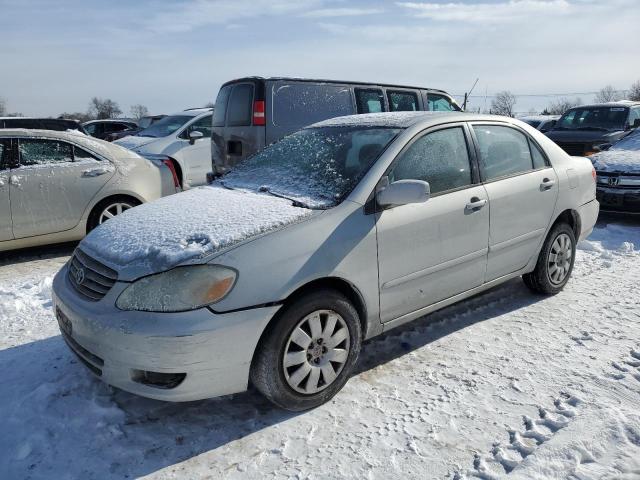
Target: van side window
369,100
239,107
439,103
301,104
220,110
504,151
440,158
402,101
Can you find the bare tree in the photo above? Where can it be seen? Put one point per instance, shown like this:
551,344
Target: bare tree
608,94
503,103
558,107
634,92
101,109
138,111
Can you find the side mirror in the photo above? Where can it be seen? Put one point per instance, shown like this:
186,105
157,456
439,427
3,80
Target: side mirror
195,135
404,192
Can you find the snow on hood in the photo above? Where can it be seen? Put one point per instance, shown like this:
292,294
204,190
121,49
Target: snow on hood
133,141
159,235
624,161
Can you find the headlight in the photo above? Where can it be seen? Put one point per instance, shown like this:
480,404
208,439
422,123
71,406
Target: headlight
178,290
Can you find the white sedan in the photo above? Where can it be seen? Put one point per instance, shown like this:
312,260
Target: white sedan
57,186
276,273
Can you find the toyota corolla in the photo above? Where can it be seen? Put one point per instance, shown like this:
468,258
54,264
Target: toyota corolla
275,274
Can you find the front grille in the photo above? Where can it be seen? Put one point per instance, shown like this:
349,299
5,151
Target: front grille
576,149
90,278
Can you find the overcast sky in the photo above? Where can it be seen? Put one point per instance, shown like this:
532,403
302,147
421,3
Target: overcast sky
170,55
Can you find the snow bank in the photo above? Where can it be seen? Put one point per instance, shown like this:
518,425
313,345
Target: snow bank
196,223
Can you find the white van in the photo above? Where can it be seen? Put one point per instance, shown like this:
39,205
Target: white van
184,138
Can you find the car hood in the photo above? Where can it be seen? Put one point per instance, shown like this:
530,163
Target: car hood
617,161
187,227
132,142
584,136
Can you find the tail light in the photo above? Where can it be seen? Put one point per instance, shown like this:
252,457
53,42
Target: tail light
258,113
172,168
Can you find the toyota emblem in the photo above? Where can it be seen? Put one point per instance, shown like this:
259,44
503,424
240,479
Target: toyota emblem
79,276
613,181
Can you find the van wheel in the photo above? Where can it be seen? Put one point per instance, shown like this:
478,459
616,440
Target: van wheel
555,262
309,353
109,208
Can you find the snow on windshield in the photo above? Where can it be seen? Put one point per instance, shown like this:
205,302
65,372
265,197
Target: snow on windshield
316,167
630,142
158,235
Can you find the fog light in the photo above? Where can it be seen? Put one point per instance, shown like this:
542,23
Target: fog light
156,379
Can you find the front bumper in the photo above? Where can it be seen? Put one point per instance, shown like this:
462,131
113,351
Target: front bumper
213,350
623,200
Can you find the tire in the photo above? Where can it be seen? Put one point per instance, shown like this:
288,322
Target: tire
313,359
555,262
115,205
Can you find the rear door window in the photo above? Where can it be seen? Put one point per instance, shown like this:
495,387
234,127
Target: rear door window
220,111
504,151
369,100
239,105
44,152
301,104
439,103
402,101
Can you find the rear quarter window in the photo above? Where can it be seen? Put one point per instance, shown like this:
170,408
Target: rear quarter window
301,104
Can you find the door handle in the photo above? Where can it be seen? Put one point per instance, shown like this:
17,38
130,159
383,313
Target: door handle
546,184
475,204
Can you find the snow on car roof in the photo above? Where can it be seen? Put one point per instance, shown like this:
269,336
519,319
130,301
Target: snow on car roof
100,147
384,119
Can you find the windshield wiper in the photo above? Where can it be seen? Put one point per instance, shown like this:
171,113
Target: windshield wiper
294,202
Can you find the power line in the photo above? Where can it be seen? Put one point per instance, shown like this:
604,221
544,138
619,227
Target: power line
541,95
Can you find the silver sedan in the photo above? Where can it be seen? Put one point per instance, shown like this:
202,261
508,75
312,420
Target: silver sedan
276,273
57,186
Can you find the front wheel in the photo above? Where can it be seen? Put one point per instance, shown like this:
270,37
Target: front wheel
108,209
555,262
309,353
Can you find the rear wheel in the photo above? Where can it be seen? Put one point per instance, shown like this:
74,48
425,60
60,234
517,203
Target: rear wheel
555,262
309,353
109,208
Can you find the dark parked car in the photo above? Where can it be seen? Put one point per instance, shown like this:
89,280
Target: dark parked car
102,128
143,123
253,112
583,130
57,124
618,171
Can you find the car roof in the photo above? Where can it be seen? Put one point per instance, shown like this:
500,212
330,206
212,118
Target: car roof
110,120
620,103
324,80
90,143
404,119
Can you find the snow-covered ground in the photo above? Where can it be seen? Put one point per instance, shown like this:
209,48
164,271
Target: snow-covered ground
539,387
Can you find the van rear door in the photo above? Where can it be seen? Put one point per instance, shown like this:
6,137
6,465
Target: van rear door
238,124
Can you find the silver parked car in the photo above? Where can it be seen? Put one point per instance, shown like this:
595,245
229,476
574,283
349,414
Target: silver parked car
276,273
56,186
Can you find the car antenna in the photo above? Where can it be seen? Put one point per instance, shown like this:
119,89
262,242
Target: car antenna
466,95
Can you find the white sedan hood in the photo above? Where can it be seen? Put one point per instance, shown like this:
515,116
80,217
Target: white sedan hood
190,225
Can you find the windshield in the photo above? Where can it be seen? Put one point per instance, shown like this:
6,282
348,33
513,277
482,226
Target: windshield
630,142
166,126
594,118
315,167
